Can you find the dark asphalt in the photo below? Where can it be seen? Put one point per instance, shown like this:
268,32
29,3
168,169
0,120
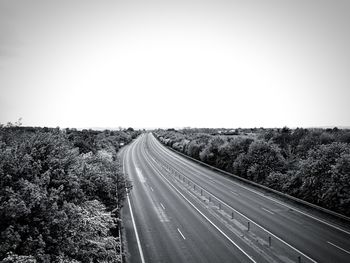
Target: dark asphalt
176,222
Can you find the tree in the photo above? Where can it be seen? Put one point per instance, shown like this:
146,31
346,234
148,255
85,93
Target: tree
323,173
337,194
87,233
56,201
282,138
311,164
194,148
210,151
310,141
261,159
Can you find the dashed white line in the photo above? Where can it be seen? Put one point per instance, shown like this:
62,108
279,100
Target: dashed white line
301,212
140,175
234,193
215,226
162,206
267,210
181,234
267,231
338,247
151,188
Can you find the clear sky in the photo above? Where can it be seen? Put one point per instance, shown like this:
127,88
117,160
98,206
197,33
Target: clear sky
175,63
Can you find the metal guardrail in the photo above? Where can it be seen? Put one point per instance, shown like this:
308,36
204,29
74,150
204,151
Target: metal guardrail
240,223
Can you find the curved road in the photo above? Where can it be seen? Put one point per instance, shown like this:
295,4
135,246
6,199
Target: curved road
180,211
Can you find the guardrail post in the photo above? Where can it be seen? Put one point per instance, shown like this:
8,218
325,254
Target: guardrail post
248,225
219,206
299,259
269,241
194,187
201,191
232,215
209,198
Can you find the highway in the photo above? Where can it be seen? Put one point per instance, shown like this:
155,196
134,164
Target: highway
180,211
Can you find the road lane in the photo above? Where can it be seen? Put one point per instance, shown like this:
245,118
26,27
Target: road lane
161,215
214,224
156,240
139,247
303,232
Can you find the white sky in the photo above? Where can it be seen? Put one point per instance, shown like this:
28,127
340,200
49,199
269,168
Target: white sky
175,63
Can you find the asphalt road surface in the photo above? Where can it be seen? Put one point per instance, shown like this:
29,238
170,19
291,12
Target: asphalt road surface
180,211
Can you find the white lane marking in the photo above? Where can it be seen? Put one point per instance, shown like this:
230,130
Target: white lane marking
226,236
136,233
133,220
158,210
306,214
162,206
338,247
267,210
187,163
161,214
234,193
267,231
151,188
181,234
140,175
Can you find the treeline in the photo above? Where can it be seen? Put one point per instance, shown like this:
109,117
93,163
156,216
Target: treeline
310,164
60,194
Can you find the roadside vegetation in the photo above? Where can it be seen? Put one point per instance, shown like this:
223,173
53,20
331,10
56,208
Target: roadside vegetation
60,194
310,164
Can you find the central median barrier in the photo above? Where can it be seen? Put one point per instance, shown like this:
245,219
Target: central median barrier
268,244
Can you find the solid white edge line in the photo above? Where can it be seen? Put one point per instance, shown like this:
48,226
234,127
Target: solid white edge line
217,228
187,163
338,247
133,221
267,231
136,233
181,234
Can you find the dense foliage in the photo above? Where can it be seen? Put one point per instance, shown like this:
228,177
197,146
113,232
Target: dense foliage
311,164
60,194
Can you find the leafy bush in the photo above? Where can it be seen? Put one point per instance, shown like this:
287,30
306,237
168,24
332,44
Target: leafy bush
60,194
311,164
